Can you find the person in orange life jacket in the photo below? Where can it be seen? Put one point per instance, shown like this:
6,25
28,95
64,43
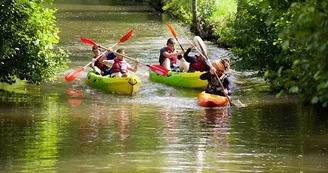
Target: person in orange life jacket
169,56
97,66
197,62
119,67
213,87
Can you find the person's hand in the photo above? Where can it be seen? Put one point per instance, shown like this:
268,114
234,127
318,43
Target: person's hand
97,70
212,70
225,92
192,46
94,59
137,62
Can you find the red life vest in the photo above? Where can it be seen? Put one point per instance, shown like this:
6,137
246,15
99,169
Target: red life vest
117,67
101,66
198,65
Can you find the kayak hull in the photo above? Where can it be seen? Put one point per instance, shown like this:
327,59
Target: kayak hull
212,100
125,85
180,79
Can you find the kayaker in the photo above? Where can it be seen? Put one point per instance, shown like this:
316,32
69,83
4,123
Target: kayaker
97,66
119,67
197,62
221,66
169,57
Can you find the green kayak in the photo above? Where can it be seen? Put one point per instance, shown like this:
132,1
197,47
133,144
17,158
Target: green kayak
124,85
180,79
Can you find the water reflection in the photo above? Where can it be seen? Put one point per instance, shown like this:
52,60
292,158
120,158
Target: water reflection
74,93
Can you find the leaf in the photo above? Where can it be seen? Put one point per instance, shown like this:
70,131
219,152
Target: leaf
285,44
314,100
293,89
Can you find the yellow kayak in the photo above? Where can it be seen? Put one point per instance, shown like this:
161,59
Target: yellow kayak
125,85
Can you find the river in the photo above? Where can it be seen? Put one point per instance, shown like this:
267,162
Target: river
70,127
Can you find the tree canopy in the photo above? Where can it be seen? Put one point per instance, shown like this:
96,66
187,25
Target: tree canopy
28,38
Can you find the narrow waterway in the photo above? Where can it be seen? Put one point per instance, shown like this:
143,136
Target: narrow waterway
70,127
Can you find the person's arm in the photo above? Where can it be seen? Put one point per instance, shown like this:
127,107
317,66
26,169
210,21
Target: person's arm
229,85
171,55
108,63
94,67
133,69
186,55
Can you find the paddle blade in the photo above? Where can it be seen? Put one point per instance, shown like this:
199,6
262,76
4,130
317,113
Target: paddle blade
87,41
201,46
126,36
72,75
158,69
172,31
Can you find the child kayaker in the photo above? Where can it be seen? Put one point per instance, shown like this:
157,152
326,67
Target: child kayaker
119,67
97,66
214,87
169,56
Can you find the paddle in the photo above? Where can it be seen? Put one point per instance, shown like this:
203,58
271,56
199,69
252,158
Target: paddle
200,45
155,68
73,74
174,34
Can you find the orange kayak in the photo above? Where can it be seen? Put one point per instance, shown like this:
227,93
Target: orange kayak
212,100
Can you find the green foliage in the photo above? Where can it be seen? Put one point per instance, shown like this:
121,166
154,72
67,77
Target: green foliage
28,36
180,9
286,42
212,13
304,34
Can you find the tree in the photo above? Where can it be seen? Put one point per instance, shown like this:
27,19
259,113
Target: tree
195,27
28,38
286,42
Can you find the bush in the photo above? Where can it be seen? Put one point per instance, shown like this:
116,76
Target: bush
28,36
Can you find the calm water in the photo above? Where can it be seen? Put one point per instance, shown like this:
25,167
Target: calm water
70,127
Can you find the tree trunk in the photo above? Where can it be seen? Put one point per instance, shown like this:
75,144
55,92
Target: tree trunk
195,27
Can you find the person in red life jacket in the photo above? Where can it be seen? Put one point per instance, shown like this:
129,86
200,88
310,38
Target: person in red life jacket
169,57
196,62
119,67
221,66
97,66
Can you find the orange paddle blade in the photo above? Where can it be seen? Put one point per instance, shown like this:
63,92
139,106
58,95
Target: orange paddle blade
126,36
158,69
172,31
87,41
73,74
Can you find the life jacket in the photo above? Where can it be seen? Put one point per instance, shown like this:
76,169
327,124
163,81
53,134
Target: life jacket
198,65
214,86
162,58
101,66
118,66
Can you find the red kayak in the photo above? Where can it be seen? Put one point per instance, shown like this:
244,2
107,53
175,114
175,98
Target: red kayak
212,100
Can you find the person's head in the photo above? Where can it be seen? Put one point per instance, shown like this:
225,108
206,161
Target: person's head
170,43
120,51
96,50
221,65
